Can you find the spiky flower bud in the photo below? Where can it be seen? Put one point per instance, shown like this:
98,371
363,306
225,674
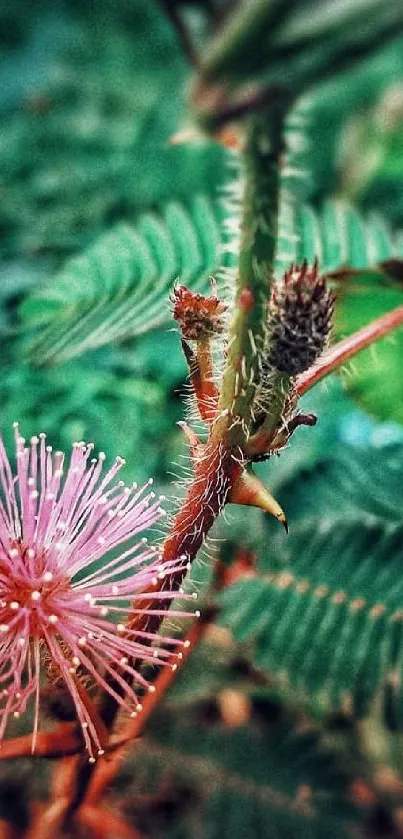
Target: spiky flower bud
198,316
299,320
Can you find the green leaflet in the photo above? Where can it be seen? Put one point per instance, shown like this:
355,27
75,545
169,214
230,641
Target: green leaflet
244,782
325,615
337,236
289,46
119,287
88,145
126,407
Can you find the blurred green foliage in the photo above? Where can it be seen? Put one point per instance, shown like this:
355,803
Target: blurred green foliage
90,96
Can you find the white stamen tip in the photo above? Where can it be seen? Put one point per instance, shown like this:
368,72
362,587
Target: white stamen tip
139,707
14,605
120,627
53,619
152,689
76,661
4,627
124,660
36,595
47,577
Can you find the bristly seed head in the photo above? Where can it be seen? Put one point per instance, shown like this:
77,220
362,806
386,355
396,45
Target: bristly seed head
198,316
55,596
299,320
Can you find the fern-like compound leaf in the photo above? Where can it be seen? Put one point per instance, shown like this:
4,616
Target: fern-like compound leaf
325,613
119,287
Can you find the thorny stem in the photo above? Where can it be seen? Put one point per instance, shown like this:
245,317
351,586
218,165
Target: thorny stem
340,353
256,258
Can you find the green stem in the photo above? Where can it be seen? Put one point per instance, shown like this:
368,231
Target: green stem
257,251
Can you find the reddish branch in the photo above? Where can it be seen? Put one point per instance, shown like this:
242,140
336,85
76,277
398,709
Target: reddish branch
340,353
133,728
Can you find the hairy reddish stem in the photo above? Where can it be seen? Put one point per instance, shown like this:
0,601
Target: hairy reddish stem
215,475
337,355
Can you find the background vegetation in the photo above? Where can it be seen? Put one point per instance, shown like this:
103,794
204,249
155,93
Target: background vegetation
295,730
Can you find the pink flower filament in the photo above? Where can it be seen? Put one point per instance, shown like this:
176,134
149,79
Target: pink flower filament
57,597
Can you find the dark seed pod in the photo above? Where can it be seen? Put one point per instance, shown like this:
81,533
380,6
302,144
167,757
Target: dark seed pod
299,320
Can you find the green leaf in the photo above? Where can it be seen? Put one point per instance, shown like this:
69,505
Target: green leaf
119,287
268,780
326,613
359,482
124,410
90,146
338,236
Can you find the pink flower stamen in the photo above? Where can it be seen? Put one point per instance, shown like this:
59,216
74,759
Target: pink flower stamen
56,593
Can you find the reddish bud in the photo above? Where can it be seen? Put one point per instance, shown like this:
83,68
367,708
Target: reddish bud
198,316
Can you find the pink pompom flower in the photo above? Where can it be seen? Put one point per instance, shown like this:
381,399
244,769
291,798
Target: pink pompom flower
61,601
